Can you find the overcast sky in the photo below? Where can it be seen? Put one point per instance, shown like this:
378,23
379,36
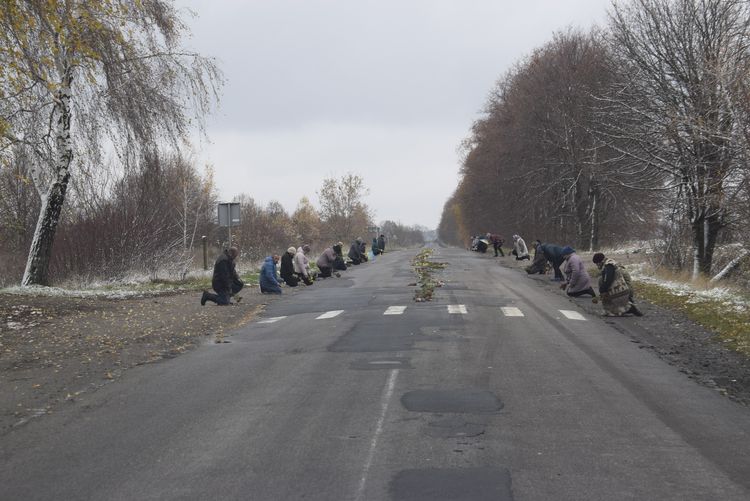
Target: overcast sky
384,89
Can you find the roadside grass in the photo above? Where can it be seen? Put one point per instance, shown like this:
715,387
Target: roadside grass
730,323
192,283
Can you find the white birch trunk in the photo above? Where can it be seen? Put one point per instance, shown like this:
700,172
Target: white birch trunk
37,265
732,264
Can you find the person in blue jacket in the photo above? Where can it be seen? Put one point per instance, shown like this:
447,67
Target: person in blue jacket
269,284
554,254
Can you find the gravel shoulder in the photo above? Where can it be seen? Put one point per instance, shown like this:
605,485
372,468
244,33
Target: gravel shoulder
55,350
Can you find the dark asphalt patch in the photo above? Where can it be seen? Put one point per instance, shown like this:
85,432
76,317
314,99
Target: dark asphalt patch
469,484
374,364
464,401
363,338
453,427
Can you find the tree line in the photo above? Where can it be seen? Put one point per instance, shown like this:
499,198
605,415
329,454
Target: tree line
635,130
97,99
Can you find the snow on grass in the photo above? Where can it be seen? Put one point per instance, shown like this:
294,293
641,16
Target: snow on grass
725,296
37,291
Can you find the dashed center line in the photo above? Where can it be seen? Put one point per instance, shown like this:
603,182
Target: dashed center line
271,320
573,315
329,314
511,311
459,309
395,310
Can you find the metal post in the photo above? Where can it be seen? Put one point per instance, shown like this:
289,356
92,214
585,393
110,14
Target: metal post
205,252
230,229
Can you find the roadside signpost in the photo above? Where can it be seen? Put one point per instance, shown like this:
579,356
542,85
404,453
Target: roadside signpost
229,215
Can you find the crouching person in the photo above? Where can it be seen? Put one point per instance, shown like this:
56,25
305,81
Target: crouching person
269,284
287,268
326,262
225,282
302,265
338,263
577,279
615,288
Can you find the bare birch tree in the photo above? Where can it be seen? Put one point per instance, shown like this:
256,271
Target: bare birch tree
80,77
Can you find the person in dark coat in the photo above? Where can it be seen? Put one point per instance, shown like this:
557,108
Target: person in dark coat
268,282
497,243
539,263
363,251
287,268
225,280
375,248
338,263
355,254
381,243
554,254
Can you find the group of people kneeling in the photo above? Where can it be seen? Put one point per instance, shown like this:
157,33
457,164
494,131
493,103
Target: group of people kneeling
295,265
615,285
294,268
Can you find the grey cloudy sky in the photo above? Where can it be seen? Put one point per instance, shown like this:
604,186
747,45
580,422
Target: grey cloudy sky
384,89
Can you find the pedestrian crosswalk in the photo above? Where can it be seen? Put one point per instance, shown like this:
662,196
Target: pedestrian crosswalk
451,309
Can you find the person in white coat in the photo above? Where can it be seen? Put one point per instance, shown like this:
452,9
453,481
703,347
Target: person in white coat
519,249
302,265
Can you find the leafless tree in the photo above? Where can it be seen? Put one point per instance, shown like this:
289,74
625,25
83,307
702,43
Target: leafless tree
81,77
678,111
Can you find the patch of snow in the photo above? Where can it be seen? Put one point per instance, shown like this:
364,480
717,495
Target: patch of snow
724,295
37,290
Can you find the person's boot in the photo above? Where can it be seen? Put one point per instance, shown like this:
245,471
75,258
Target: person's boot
635,311
204,297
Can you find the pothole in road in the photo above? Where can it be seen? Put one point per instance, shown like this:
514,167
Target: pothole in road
453,427
460,401
435,484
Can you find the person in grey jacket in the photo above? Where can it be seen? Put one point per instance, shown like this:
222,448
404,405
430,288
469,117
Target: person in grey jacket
325,262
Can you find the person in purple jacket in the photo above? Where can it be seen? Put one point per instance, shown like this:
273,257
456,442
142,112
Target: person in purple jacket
577,280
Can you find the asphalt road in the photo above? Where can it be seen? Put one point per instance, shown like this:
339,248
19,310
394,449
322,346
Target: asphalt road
488,392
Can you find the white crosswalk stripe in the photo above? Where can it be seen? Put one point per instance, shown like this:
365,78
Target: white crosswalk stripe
459,309
511,311
395,310
329,314
271,320
573,315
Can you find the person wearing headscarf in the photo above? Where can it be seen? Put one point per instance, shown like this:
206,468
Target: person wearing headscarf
302,265
615,287
287,268
519,248
577,279
325,262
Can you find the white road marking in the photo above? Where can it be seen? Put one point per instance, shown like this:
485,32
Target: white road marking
457,309
385,400
271,320
395,310
573,315
511,311
330,314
